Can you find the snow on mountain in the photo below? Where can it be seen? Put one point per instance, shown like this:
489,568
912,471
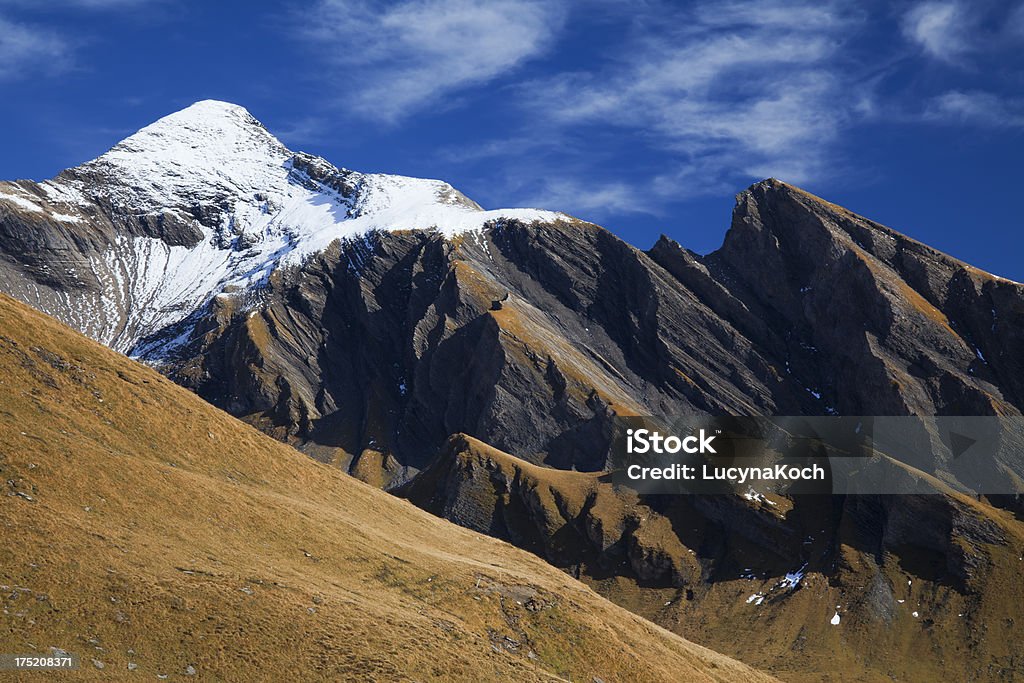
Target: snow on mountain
204,152
250,205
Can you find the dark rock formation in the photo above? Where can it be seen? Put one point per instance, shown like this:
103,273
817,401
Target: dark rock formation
531,337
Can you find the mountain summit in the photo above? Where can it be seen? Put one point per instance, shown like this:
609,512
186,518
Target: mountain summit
202,202
209,152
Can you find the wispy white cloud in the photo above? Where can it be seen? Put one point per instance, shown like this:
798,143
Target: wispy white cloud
778,13
27,50
718,92
744,89
395,59
938,27
961,32
518,145
976,108
590,198
30,46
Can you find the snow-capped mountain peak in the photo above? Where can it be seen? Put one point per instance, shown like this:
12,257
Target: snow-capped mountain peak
215,164
207,201
209,151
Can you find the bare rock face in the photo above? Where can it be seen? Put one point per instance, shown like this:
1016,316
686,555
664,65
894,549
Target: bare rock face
395,343
875,322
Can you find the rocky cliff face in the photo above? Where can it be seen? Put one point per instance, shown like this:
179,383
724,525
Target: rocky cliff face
875,322
531,337
368,319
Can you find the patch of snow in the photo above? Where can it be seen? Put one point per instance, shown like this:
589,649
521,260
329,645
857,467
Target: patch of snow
62,193
756,496
835,618
756,598
65,218
21,202
792,579
915,614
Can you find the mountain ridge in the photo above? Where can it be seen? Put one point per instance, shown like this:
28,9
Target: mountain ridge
480,373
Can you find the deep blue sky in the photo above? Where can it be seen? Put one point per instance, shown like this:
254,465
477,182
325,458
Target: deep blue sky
644,116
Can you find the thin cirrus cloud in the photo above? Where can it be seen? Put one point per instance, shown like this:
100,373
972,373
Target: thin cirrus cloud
397,59
740,89
976,108
594,198
27,50
31,47
960,33
982,39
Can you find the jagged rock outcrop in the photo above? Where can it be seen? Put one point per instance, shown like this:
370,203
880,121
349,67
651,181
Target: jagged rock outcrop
394,342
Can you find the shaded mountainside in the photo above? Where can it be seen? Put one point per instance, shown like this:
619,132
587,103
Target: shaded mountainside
151,534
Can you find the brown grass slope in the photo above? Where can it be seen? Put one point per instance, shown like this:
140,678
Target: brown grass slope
903,616
143,527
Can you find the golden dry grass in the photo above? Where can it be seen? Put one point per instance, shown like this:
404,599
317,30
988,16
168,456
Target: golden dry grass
143,526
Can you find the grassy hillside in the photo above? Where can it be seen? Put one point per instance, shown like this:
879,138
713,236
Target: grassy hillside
151,534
